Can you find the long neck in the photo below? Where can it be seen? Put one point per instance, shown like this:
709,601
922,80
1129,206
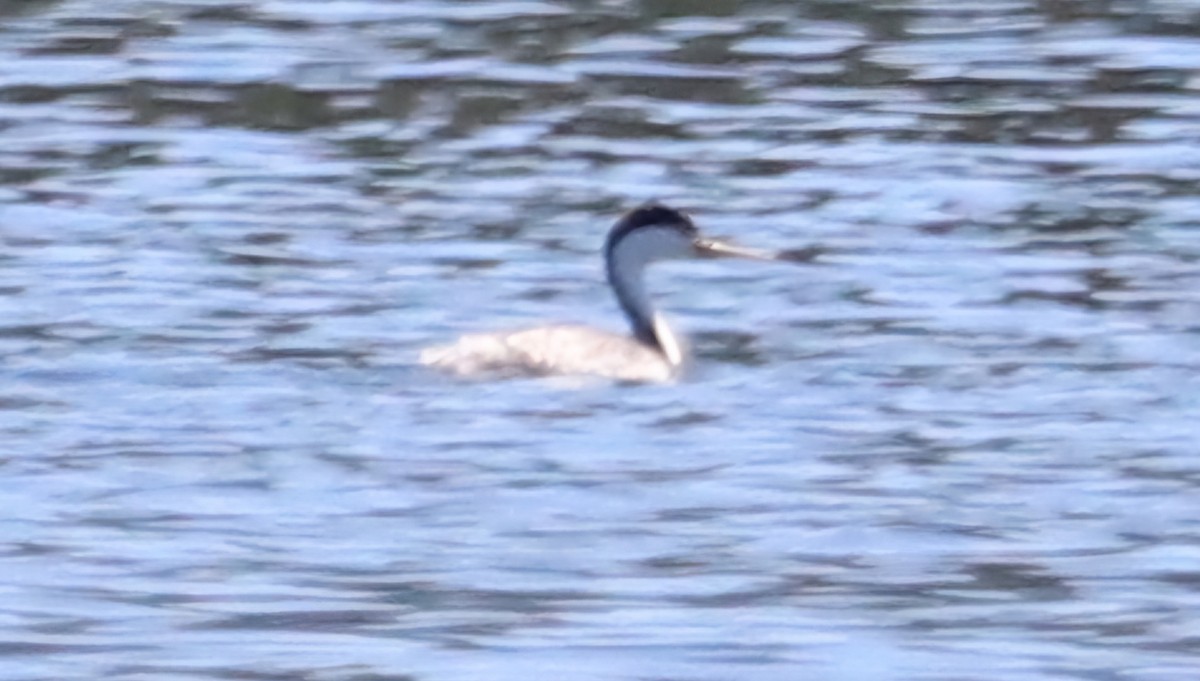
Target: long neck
649,327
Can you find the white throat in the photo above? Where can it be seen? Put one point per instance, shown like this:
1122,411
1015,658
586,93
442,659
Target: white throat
672,346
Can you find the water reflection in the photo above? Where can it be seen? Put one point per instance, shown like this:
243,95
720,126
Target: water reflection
955,444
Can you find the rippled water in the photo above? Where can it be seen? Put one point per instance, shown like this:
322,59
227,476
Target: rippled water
959,445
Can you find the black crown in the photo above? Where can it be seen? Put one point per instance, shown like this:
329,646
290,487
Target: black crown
650,215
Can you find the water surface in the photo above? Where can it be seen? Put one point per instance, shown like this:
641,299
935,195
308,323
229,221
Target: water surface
959,445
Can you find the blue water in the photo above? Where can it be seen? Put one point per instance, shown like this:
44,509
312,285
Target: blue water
958,445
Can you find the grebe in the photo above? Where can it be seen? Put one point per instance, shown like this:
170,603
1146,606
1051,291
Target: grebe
653,353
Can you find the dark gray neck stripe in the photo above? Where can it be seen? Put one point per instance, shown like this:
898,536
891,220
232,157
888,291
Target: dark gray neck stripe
647,216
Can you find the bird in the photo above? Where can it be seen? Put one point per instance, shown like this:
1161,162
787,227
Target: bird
651,353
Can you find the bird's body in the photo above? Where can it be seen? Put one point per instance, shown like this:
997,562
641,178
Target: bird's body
652,353
552,350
